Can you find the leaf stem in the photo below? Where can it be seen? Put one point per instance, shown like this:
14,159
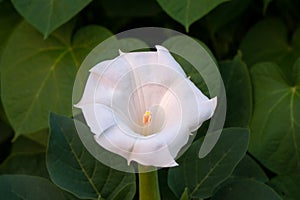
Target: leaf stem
148,185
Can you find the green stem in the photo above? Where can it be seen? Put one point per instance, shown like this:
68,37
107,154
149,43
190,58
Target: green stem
148,185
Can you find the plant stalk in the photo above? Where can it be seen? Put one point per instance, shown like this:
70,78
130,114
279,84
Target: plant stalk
148,185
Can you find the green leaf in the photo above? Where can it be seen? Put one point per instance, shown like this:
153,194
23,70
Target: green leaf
68,161
187,12
165,192
236,77
287,185
266,4
26,145
224,28
249,169
275,126
8,20
202,176
268,41
246,190
47,15
6,134
137,8
185,195
40,137
226,14
25,163
37,75
15,187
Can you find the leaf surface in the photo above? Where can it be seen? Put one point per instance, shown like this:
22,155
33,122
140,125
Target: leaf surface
202,176
38,76
72,167
47,15
275,127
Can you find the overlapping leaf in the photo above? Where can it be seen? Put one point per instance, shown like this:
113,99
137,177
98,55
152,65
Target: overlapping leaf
72,167
28,188
246,190
33,164
269,41
275,127
37,75
236,77
287,185
187,12
202,176
47,15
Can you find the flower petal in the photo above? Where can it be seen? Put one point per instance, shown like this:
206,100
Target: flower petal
88,94
175,137
137,59
165,58
194,105
117,141
152,152
98,117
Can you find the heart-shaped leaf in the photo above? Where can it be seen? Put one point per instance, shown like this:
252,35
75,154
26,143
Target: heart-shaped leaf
29,188
68,161
202,176
187,12
37,75
47,15
275,126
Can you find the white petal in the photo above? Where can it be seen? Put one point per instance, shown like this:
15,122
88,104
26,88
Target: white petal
98,117
195,106
175,137
117,141
165,58
109,78
89,91
136,59
206,110
152,152
101,67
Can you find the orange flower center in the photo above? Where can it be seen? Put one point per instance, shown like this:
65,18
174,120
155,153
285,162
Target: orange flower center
147,118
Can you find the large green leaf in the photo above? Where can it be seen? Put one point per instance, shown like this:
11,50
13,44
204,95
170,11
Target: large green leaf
187,12
72,167
249,169
137,8
269,41
47,15
236,77
26,145
275,127
8,19
25,163
287,185
37,75
15,187
202,176
246,190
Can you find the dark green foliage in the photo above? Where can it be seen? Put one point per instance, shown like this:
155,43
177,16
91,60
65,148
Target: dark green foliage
256,45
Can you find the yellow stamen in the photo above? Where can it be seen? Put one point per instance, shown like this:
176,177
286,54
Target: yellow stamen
147,118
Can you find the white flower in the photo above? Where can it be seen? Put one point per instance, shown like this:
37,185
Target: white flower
142,106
